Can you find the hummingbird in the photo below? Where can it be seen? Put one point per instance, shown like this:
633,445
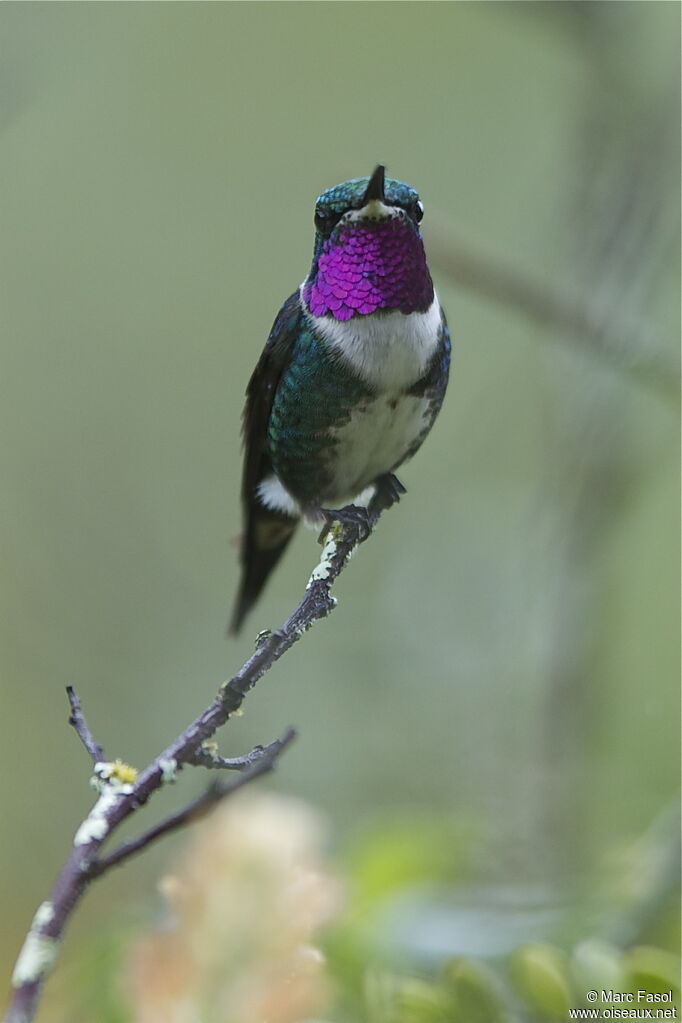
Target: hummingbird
351,378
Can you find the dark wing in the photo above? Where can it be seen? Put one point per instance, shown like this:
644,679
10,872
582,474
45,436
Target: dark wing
260,394
266,533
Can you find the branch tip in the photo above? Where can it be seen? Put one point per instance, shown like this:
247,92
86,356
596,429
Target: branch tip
78,722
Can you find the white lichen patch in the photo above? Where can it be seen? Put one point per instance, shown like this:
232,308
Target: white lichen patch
169,770
44,915
113,780
323,567
95,827
37,955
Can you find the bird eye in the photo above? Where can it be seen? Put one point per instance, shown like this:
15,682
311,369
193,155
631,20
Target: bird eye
325,219
417,210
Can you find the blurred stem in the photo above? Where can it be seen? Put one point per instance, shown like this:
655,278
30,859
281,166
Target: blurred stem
621,197
120,797
655,865
630,346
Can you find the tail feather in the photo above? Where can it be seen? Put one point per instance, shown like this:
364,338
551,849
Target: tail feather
266,539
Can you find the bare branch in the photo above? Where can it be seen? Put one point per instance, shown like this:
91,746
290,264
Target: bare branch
207,756
123,792
263,763
77,719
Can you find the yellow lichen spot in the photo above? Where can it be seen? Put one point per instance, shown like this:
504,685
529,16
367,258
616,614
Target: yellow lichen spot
123,773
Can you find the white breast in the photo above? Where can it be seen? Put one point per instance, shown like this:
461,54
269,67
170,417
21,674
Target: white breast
390,350
374,441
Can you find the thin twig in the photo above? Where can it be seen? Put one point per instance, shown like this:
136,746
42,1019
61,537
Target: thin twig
77,719
120,797
199,807
207,756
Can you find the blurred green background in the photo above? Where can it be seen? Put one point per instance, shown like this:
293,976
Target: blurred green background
504,654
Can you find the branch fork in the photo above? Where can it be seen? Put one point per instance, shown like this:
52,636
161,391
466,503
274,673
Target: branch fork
123,790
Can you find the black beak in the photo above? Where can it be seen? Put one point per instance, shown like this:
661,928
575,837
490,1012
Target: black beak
375,185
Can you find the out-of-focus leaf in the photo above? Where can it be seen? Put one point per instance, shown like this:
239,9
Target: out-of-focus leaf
476,991
653,970
540,975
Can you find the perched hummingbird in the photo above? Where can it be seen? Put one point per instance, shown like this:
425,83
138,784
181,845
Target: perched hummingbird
351,378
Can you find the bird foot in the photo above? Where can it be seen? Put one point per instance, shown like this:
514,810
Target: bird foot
359,521
388,492
355,520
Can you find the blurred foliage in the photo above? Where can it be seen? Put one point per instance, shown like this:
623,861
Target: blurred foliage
532,982
252,889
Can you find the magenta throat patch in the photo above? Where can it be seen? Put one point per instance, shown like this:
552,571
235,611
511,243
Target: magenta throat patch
371,266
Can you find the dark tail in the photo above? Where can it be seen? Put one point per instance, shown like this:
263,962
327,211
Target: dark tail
267,535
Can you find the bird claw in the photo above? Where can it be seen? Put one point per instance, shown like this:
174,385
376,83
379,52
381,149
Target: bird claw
358,521
355,520
388,492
